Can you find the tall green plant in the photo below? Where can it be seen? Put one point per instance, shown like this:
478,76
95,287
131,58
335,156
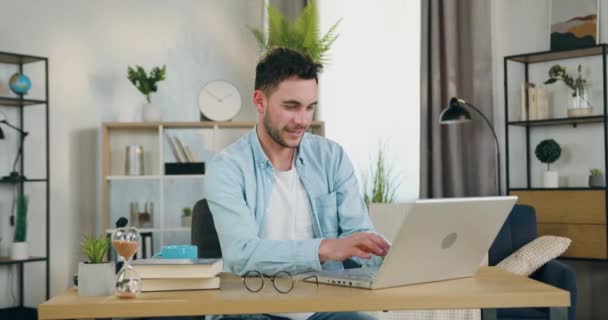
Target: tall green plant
144,83
381,187
21,219
302,35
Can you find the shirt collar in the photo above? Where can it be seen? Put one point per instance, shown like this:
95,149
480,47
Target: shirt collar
260,156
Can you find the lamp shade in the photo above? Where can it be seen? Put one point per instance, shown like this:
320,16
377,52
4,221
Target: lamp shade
454,113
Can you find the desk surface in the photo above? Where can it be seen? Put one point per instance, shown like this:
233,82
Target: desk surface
490,288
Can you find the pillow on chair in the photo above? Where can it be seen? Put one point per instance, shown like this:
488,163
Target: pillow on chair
534,255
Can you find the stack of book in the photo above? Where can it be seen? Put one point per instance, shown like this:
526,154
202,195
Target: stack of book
181,151
178,274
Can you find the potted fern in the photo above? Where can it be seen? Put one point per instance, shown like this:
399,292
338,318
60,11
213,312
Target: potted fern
302,35
548,151
95,276
146,84
19,247
596,178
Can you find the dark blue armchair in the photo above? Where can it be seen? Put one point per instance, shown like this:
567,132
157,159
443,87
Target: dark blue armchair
518,230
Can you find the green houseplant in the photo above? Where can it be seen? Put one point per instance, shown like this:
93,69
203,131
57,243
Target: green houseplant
147,84
379,185
579,102
302,35
19,247
596,178
548,151
186,217
95,276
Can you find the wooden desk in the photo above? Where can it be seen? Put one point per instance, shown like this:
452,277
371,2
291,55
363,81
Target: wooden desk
491,288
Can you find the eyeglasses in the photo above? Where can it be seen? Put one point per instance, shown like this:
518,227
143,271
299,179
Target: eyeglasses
282,281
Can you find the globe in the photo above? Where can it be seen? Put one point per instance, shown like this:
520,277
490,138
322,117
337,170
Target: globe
20,83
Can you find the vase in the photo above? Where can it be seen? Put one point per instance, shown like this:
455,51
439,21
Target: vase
151,113
19,251
96,279
597,181
579,104
186,221
550,179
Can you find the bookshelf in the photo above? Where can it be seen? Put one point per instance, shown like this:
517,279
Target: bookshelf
169,193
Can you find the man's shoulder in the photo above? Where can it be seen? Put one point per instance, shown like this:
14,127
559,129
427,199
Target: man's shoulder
236,153
321,148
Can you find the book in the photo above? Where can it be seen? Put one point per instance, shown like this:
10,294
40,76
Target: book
180,284
181,150
174,148
177,268
191,156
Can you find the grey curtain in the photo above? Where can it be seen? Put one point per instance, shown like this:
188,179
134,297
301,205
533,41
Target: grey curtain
456,160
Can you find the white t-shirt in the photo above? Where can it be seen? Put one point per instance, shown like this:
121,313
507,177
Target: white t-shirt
288,216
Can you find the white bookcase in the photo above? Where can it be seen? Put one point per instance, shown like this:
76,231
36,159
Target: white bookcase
169,193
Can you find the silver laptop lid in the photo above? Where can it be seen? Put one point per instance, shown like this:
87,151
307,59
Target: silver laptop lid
443,239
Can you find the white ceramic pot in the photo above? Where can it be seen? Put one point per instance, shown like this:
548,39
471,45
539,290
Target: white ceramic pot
151,113
550,179
186,221
19,251
96,279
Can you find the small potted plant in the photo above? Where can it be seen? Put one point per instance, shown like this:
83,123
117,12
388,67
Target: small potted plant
146,84
596,178
548,151
186,217
579,103
95,276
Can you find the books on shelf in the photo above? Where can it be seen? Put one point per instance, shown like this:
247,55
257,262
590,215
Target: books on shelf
181,151
177,268
180,284
538,103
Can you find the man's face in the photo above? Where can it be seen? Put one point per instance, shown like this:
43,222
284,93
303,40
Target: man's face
288,111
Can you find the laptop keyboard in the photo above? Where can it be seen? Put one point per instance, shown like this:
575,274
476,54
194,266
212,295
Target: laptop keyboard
354,274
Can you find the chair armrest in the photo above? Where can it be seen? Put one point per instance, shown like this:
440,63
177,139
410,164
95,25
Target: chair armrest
559,275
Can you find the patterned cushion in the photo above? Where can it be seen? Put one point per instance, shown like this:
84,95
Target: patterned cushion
534,255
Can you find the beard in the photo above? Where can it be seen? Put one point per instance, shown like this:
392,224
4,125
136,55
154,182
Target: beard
275,133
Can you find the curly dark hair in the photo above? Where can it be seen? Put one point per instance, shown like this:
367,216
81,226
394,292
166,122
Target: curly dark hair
282,63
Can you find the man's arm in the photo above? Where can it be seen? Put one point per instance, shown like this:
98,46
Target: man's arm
242,248
358,238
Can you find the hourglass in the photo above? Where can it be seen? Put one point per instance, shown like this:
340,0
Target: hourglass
126,241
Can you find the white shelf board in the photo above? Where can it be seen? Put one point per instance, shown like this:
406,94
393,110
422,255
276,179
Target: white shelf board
183,176
184,229
141,230
125,178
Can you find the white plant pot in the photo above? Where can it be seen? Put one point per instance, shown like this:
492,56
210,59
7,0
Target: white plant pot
19,251
96,279
186,221
151,113
550,179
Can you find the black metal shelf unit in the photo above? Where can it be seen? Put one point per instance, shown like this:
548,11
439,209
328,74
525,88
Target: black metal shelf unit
545,56
20,103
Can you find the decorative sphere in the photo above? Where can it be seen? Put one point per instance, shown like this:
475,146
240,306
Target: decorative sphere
20,83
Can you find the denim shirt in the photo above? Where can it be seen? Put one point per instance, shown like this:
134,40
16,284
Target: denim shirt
238,185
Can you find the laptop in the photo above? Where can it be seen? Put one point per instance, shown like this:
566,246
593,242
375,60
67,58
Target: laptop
438,239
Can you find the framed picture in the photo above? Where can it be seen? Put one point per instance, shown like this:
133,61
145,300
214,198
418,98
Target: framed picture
574,24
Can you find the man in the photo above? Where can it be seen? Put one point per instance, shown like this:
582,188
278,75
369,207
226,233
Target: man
283,199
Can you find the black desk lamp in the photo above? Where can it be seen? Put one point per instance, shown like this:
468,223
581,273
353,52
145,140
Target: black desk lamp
14,175
455,113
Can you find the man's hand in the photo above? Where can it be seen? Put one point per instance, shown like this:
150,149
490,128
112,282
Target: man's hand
362,245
